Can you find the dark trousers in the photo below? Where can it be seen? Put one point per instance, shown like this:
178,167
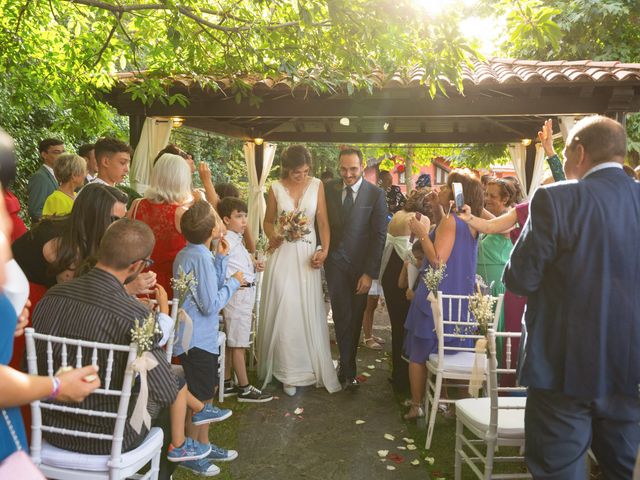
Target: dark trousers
398,307
347,308
559,431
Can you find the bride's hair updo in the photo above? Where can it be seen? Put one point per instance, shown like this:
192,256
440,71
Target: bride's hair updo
293,157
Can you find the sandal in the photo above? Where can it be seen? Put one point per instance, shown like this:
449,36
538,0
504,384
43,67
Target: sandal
414,412
372,344
380,340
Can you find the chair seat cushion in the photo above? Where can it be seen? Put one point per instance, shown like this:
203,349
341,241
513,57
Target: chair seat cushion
457,362
477,411
57,457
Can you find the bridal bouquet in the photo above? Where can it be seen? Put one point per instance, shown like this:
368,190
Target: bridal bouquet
294,225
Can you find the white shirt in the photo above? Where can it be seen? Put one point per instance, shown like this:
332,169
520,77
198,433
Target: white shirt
99,180
50,171
239,258
355,187
602,166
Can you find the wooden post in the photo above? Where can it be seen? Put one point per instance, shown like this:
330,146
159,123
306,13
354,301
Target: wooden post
530,165
259,159
136,122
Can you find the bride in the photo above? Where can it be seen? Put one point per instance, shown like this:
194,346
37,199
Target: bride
293,335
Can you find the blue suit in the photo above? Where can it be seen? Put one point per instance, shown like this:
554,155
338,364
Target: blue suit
356,249
578,261
41,184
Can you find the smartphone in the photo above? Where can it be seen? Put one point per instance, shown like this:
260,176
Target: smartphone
458,196
412,237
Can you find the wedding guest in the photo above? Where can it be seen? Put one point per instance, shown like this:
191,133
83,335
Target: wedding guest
88,152
455,245
396,252
203,303
80,309
113,157
630,172
409,275
580,270
485,179
238,313
168,197
43,182
494,249
12,205
70,171
395,197
225,190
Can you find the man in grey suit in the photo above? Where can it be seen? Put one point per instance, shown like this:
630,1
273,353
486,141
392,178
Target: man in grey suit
43,183
357,219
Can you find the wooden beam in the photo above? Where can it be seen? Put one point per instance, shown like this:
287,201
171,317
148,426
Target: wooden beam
372,107
224,128
388,138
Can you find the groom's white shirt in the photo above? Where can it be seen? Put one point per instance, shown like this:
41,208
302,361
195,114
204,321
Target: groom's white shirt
356,186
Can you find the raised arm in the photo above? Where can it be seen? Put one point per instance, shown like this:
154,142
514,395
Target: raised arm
501,224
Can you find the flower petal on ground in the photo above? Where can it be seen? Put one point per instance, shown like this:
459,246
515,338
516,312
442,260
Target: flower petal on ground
383,453
401,447
388,436
415,463
390,467
395,458
407,440
298,410
366,374
429,460
360,422
371,367
411,446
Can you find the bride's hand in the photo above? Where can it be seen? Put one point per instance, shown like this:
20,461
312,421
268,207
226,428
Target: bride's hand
318,258
275,242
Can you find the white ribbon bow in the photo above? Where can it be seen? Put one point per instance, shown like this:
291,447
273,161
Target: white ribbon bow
187,333
435,310
477,372
142,365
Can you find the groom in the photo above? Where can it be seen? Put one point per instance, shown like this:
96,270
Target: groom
357,218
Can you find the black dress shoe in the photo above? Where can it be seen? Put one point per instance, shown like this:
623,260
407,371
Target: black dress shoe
341,376
351,384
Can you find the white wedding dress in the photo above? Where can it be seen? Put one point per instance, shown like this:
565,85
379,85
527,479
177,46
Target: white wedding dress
293,334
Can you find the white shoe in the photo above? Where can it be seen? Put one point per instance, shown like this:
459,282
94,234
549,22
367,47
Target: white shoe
289,390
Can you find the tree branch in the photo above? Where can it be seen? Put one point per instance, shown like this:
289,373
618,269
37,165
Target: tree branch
106,43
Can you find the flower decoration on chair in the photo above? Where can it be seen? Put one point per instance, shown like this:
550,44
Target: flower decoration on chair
184,286
294,225
481,306
432,278
142,335
262,247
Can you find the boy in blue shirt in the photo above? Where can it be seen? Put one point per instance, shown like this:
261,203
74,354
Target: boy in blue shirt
200,226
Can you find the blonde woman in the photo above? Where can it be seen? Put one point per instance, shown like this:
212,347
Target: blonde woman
165,201
70,171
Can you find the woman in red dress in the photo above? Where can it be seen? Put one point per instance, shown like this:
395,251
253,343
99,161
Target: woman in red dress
165,201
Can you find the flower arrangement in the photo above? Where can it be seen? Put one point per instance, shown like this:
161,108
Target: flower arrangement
433,277
182,286
294,225
143,332
262,246
481,306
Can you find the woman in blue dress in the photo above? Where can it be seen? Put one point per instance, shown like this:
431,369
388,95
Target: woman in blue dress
455,244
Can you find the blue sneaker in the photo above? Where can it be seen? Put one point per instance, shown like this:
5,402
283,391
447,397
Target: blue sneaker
190,450
219,454
210,414
202,467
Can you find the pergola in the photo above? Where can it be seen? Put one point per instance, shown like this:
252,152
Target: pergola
503,101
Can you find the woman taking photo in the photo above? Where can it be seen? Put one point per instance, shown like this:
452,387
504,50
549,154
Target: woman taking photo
454,244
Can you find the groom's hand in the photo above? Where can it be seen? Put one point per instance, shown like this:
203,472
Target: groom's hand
364,284
318,258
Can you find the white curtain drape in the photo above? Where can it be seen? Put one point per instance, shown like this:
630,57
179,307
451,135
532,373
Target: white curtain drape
518,154
154,137
566,124
257,203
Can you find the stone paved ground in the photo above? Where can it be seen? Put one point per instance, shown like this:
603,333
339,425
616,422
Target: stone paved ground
324,441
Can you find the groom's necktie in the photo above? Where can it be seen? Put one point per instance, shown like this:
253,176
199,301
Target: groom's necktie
347,204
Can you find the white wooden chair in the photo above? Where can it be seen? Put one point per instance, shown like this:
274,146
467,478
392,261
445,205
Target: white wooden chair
484,424
57,463
451,362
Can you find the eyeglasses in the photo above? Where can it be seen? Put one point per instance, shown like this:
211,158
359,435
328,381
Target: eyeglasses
147,262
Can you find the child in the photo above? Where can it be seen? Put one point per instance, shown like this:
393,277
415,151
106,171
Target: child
411,270
239,311
203,304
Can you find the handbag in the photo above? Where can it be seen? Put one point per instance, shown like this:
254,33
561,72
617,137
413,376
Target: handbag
18,464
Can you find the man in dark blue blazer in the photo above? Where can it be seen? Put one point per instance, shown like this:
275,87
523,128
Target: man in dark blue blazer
578,261
43,182
357,218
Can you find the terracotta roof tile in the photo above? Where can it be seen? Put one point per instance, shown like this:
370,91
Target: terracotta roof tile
490,72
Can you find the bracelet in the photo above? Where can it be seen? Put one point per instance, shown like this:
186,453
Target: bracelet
56,389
